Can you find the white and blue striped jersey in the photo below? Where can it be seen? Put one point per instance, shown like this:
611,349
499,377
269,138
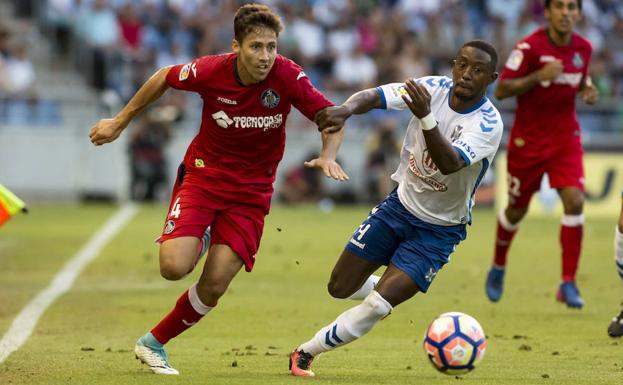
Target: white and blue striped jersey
475,133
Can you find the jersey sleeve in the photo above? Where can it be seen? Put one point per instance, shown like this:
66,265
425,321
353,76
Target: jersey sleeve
391,94
190,76
520,62
480,139
306,98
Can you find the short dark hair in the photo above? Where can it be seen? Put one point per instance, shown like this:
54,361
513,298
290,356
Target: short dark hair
549,2
251,16
488,48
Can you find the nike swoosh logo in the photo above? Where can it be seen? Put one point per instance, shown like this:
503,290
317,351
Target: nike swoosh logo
301,74
188,323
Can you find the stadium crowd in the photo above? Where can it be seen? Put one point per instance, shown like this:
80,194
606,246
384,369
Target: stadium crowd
343,45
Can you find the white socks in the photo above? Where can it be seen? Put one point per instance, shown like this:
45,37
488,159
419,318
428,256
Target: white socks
366,288
349,326
505,223
196,302
572,220
618,250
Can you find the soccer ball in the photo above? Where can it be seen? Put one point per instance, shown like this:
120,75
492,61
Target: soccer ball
455,343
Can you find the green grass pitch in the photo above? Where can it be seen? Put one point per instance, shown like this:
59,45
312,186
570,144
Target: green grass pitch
87,335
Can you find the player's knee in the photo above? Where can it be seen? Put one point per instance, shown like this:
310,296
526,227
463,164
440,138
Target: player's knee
171,268
338,289
574,205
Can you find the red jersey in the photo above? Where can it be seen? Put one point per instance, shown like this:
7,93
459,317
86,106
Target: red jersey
242,134
545,114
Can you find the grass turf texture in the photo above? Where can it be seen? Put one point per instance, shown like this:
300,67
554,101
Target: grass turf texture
87,336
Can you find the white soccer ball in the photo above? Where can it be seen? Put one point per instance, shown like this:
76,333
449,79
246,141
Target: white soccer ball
455,343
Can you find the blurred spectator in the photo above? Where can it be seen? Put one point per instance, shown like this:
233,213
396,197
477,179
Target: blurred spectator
60,16
147,155
354,71
382,159
18,75
302,184
99,29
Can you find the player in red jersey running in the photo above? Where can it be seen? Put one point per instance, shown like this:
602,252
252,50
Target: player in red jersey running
546,71
225,183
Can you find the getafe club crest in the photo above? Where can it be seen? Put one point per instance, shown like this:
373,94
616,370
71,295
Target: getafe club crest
270,98
578,62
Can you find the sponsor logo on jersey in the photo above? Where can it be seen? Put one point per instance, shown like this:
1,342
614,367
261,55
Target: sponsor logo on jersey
185,72
577,61
432,182
199,163
270,98
222,120
169,227
226,101
514,60
519,142
569,79
427,162
466,148
263,122
546,58
523,45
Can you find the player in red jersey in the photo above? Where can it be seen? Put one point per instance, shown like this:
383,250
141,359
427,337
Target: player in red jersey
226,180
546,71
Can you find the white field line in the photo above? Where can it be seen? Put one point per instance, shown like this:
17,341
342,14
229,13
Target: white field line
27,319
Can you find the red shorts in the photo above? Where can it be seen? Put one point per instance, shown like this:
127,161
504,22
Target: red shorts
235,214
563,165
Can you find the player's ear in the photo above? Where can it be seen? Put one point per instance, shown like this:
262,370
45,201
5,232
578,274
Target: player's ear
494,77
235,46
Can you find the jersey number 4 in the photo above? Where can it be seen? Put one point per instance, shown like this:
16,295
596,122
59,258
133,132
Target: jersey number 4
176,210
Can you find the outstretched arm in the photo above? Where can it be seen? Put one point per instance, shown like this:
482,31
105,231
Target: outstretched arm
446,158
514,87
107,130
332,119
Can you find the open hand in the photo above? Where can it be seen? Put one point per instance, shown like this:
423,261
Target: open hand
418,100
331,168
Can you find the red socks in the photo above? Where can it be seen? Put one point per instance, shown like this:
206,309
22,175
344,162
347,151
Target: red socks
188,311
571,231
503,238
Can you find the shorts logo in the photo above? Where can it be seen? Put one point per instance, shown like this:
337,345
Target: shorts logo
199,163
169,227
430,275
270,98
